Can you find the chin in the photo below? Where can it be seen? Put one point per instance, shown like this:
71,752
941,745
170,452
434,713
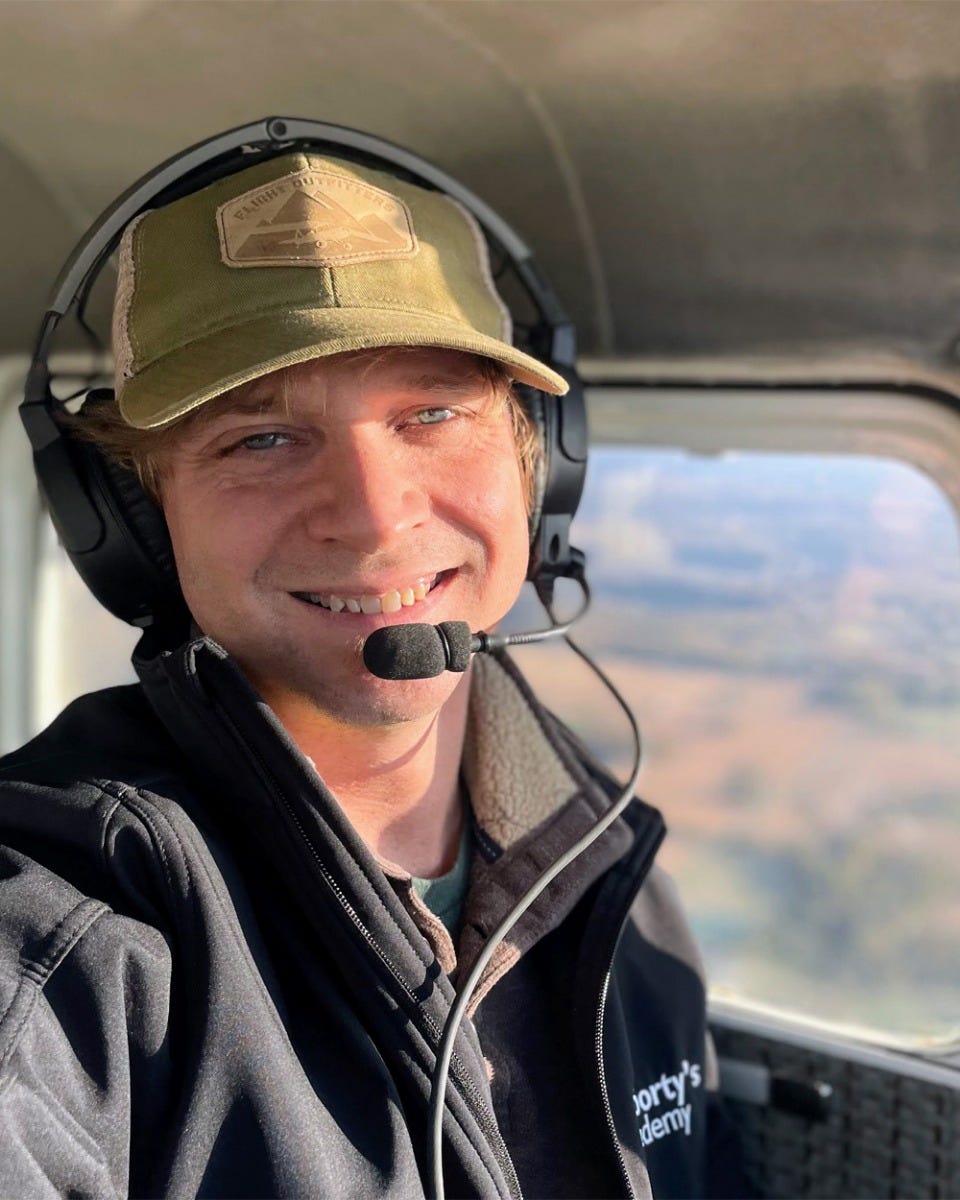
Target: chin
359,700
401,704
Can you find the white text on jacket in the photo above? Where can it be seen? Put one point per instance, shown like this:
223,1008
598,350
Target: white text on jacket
668,1089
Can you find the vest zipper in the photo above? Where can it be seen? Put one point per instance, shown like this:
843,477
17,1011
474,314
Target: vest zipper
484,1116
654,836
602,1079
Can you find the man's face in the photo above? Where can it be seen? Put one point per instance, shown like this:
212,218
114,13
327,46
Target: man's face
348,483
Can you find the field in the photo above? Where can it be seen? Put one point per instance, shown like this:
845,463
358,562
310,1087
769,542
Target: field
816,855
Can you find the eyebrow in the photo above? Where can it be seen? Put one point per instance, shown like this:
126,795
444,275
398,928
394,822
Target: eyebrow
457,384
243,405
257,401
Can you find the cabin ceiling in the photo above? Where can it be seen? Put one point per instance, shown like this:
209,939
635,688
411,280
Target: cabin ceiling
697,179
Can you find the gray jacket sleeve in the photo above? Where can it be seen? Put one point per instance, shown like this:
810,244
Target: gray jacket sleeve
83,1035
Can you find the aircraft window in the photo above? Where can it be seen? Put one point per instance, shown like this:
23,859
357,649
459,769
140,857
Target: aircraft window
787,628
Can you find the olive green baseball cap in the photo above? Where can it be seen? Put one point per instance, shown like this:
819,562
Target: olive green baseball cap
293,259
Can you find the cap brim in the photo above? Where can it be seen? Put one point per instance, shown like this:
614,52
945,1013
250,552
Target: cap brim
193,374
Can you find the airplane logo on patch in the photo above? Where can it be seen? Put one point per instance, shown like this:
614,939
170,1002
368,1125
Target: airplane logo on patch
314,219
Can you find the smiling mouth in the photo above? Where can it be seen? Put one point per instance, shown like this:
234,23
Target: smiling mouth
386,602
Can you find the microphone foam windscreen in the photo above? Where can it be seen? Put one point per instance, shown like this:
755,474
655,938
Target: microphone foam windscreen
459,642
405,652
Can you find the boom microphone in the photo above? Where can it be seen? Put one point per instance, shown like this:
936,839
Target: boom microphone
417,651
423,651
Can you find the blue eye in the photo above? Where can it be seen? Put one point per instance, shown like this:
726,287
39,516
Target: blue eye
268,440
434,416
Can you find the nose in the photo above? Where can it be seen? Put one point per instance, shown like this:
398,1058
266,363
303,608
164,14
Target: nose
370,494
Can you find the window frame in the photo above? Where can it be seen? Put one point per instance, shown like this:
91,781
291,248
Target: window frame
919,428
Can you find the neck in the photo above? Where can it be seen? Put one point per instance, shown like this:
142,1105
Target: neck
399,785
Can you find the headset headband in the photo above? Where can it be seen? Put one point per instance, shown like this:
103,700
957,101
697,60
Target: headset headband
105,523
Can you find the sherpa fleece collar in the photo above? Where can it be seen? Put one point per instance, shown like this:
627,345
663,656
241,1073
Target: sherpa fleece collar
532,799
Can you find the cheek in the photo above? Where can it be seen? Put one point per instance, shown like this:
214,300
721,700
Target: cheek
499,515
194,566
211,552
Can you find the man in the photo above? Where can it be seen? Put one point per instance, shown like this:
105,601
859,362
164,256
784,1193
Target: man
238,898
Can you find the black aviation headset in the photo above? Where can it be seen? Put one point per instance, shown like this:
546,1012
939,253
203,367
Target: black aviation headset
114,532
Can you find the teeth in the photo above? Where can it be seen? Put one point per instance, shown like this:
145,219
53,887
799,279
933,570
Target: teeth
390,602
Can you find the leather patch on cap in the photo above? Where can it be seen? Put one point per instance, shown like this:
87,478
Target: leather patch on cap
314,219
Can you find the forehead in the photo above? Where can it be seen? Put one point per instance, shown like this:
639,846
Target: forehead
426,371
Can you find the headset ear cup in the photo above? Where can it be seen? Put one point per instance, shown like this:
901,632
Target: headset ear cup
562,425
112,530
143,516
